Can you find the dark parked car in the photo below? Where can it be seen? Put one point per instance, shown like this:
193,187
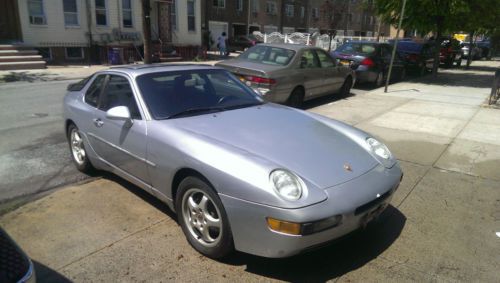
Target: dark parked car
419,56
485,47
370,61
450,53
243,42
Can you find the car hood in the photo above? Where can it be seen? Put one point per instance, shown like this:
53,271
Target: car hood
288,137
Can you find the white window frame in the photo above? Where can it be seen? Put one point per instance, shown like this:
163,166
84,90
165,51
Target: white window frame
219,2
76,13
271,7
302,11
73,58
173,12
239,5
106,13
33,17
131,10
315,12
289,10
194,15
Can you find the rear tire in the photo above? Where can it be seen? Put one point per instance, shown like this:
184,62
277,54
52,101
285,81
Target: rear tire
203,218
79,155
379,81
296,98
345,90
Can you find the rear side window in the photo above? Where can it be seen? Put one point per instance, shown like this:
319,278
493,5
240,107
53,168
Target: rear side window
92,94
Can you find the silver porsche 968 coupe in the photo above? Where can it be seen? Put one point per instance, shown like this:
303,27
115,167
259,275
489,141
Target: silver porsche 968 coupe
240,173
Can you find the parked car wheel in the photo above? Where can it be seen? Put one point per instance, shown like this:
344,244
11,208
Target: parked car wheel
422,69
78,152
203,219
345,90
296,98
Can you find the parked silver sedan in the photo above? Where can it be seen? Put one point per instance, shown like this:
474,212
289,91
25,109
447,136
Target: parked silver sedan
290,74
239,172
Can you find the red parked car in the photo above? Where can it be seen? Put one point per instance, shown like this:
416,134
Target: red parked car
450,53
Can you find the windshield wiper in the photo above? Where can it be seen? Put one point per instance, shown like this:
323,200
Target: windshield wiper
195,110
243,105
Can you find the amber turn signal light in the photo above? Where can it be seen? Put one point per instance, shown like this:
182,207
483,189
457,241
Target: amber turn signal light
284,226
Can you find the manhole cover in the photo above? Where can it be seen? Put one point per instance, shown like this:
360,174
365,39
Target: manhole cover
39,115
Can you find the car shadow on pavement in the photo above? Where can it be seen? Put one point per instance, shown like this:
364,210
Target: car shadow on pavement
458,79
145,196
331,261
44,273
325,100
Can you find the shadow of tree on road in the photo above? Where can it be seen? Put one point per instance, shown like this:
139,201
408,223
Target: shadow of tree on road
27,77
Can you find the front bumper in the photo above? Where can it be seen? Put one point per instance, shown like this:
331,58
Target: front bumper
356,201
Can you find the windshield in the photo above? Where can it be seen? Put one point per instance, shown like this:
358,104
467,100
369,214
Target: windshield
268,55
193,92
357,48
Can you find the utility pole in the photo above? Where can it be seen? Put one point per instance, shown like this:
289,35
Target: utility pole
146,30
248,17
395,46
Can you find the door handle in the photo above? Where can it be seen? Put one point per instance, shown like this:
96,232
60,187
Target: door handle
98,122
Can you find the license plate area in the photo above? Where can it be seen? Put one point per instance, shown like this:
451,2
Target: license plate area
345,62
367,218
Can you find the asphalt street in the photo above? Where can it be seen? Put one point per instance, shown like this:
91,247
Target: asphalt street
33,150
34,155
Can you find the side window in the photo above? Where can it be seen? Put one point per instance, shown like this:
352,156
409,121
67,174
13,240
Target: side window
309,60
325,60
119,93
92,94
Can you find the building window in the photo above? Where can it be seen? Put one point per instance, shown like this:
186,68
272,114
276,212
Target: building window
173,15
191,15
302,12
271,7
219,3
70,13
74,53
37,15
315,13
101,13
239,5
289,10
127,13
255,6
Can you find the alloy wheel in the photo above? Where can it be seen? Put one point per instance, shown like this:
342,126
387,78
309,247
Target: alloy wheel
77,148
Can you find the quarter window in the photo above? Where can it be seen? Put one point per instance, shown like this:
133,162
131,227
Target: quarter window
92,94
127,13
119,93
101,18
191,16
36,12
70,13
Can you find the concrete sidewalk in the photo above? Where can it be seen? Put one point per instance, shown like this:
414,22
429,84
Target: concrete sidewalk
441,226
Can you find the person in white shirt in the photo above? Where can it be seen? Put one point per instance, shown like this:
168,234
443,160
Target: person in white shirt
221,44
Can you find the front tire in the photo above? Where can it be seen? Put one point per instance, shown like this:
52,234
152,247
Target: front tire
77,148
203,219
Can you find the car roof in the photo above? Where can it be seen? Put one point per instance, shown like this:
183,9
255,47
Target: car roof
295,47
366,42
139,69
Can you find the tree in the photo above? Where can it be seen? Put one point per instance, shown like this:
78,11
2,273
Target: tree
146,30
437,16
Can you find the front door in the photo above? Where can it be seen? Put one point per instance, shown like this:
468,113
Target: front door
10,27
121,143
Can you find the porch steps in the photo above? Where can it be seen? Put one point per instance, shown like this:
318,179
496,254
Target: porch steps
20,57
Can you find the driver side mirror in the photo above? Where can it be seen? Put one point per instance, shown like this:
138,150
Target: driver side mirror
119,113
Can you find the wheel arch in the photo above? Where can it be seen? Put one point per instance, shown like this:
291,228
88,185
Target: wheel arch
182,174
67,123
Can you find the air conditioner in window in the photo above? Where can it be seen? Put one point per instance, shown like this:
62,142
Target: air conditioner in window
37,20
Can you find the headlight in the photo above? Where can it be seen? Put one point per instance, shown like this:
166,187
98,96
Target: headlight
286,184
379,148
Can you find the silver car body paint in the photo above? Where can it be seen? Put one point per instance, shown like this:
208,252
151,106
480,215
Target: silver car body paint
235,151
